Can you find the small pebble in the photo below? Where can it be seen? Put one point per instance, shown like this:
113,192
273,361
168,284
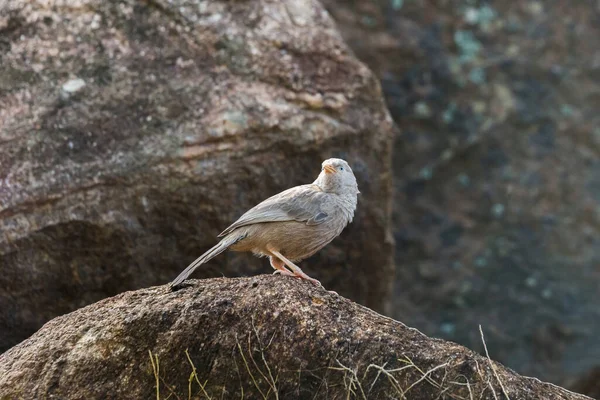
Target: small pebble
73,86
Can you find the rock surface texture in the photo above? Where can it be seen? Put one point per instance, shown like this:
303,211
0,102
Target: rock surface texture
496,172
264,337
133,132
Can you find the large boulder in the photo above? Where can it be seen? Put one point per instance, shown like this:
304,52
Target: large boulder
265,337
132,133
497,171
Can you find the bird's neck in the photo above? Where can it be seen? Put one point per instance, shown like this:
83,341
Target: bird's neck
348,204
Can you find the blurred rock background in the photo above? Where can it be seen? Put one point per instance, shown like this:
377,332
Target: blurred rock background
132,133
496,171
496,174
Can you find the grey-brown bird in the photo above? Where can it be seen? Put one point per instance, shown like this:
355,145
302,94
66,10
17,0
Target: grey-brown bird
293,224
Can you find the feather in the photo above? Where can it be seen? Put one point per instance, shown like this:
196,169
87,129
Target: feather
306,203
210,254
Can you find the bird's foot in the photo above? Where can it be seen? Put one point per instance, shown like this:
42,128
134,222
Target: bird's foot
278,261
283,272
300,274
315,282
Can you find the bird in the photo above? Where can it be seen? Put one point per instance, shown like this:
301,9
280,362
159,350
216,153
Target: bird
292,225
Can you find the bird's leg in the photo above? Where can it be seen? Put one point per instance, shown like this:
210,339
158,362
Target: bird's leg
297,271
278,265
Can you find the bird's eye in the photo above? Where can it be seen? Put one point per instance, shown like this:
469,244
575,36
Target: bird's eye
341,168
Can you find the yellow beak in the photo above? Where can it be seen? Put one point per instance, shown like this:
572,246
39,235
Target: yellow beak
329,169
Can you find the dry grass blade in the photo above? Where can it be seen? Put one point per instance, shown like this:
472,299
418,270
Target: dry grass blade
193,376
426,377
467,384
271,381
155,370
388,373
248,370
353,383
493,367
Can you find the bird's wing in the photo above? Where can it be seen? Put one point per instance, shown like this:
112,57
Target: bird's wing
301,203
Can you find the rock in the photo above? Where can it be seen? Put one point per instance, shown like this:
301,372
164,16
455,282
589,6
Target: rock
73,86
497,184
252,338
589,383
192,112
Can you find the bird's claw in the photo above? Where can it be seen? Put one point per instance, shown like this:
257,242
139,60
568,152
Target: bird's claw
283,272
298,276
308,278
315,282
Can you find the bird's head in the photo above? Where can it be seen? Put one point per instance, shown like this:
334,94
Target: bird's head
337,177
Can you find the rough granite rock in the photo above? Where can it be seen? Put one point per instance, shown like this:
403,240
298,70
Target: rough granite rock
133,132
264,337
589,383
496,172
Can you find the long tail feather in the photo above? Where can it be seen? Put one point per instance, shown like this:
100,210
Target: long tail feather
213,252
